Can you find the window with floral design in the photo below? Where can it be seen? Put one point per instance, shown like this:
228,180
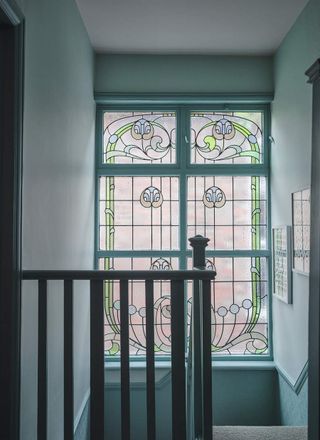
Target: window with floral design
164,175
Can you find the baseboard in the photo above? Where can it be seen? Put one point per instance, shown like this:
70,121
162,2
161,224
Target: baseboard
297,385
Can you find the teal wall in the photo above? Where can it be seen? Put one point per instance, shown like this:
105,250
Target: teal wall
58,195
293,405
246,396
82,429
182,74
290,171
241,396
19,3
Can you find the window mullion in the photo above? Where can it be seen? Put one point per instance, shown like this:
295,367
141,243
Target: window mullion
183,146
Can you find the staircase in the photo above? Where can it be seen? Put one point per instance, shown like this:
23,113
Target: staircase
259,433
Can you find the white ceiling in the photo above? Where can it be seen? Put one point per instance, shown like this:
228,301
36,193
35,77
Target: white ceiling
242,27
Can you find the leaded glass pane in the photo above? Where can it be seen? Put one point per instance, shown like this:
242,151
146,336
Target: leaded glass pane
301,230
139,213
137,311
139,137
226,138
230,210
239,304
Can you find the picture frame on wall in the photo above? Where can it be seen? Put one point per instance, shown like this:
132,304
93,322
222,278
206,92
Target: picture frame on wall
301,231
282,263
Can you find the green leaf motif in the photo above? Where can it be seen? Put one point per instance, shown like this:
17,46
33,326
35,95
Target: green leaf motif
210,142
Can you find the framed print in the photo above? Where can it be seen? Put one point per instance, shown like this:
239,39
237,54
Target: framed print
301,231
282,258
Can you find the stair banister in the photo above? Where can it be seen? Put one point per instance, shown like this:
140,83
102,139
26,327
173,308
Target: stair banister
200,340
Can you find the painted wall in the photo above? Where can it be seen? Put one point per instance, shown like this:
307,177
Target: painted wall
291,171
293,405
182,74
58,194
241,396
20,3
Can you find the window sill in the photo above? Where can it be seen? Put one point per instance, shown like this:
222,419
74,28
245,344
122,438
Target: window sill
216,365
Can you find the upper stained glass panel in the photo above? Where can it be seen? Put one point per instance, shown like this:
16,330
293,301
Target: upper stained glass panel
139,137
226,138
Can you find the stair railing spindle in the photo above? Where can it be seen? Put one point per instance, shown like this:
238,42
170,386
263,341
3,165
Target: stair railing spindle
179,430
206,359
42,420
125,364
68,360
96,360
151,405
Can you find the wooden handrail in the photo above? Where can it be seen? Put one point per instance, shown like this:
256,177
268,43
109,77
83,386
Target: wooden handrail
118,275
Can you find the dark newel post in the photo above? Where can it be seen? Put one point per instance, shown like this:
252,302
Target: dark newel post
11,122
198,244
314,290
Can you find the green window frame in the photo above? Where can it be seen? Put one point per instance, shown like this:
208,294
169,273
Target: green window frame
183,168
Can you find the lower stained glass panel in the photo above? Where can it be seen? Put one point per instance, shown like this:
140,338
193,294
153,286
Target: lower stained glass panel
238,315
137,310
239,305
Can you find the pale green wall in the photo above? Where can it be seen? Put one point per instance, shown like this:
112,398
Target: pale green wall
58,194
19,3
291,167
293,406
182,74
241,396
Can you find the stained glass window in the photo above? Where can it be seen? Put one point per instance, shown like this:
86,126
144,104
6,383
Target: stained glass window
139,212
239,303
231,210
139,137
137,310
152,198
228,137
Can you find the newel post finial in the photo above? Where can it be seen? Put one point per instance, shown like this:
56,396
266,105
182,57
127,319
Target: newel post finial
313,73
199,244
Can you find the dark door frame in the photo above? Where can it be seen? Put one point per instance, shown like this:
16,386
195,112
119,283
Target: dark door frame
11,123
314,296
